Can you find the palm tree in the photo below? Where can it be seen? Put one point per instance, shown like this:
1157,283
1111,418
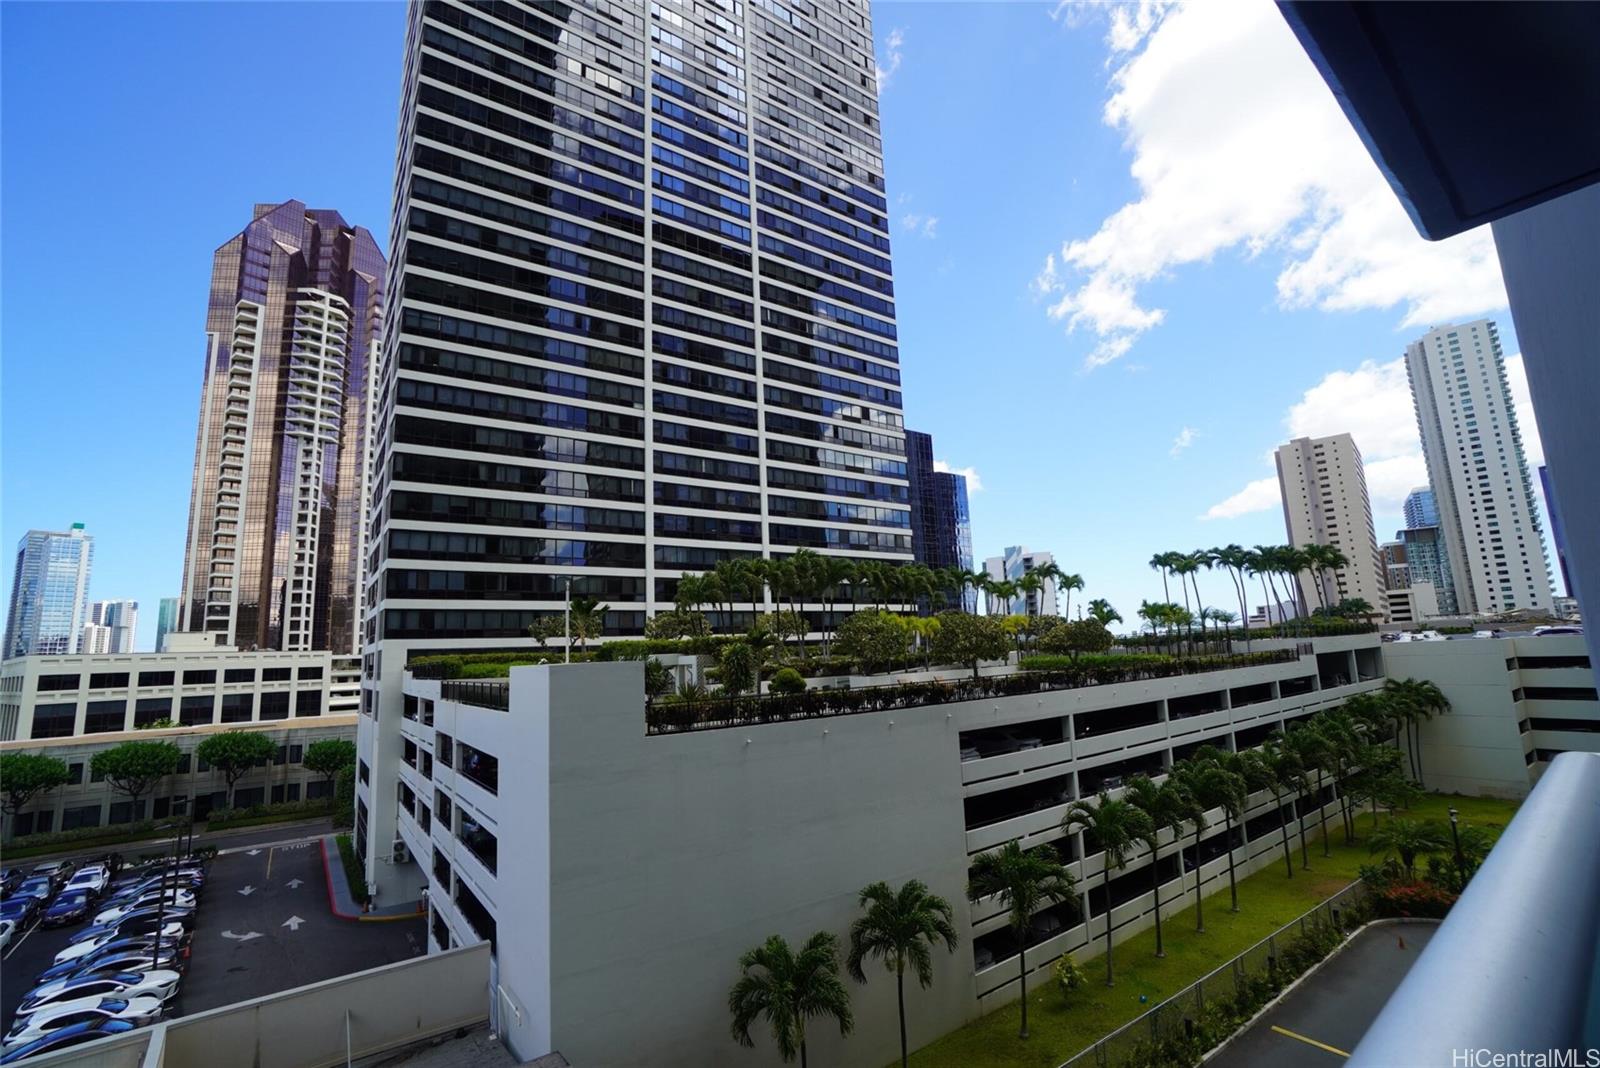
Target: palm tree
1001,592
1100,610
1024,882
1200,558
834,572
1311,745
1116,826
1225,621
788,989
1030,586
899,928
1184,565
1165,808
1235,559
1407,839
1281,768
586,619
1416,700
1212,785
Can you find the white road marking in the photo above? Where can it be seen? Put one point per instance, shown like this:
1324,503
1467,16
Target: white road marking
293,923
15,942
253,853
294,884
247,891
241,937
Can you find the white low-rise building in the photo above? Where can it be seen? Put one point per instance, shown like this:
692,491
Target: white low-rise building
610,856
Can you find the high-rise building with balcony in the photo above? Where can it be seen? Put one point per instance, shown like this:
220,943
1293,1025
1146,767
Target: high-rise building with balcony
1014,562
278,506
941,524
1558,534
645,322
49,592
1476,467
1427,560
121,620
1324,487
1421,510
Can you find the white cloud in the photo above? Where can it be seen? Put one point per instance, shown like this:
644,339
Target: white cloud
925,225
1237,145
974,483
1258,496
1184,439
892,56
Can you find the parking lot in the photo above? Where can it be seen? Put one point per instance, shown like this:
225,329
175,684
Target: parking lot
263,925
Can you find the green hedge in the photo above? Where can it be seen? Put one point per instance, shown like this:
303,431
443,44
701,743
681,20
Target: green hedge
278,813
352,869
485,665
1060,662
83,837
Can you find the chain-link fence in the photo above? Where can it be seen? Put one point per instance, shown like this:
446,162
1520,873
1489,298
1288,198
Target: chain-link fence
1260,968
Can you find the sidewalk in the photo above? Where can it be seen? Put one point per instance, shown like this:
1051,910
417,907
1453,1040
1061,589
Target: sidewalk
258,834
343,903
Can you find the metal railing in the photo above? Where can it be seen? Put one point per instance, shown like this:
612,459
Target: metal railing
1513,967
1176,1014
483,693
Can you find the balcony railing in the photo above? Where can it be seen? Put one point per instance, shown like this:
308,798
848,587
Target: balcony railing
712,713
1513,966
482,693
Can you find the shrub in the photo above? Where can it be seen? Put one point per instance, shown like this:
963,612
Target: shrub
677,624
657,678
1069,977
873,639
964,639
344,796
286,810
737,669
352,869
787,681
77,835
1075,637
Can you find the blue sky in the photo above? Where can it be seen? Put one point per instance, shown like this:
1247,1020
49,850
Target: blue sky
1063,322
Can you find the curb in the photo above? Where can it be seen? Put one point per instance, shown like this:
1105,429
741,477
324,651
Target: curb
333,895
327,873
1243,1028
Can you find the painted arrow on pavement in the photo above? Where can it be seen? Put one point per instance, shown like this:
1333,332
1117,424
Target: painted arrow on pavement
294,884
293,923
241,938
247,891
253,853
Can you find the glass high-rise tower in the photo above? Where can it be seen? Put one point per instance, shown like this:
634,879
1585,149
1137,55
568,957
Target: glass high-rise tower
49,592
645,315
277,511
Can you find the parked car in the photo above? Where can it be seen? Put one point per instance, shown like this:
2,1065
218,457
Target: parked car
139,923
1020,740
70,906
10,879
122,955
136,1011
982,957
1540,632
95,878
57,871
969,752
151,984
7,928
38,886
115,911
102,938
71,1035
21,908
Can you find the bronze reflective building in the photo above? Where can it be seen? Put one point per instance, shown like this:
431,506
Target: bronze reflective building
277,510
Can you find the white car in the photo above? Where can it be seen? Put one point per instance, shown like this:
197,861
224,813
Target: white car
137,1011
150,984
182,899
7,928
172,931
94,879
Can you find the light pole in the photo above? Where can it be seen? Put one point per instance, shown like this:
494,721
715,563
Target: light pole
1461,865
567,657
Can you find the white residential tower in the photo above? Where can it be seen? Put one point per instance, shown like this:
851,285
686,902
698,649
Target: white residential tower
1325,502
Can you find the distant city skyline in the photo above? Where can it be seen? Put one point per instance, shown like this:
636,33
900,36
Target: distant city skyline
1308,349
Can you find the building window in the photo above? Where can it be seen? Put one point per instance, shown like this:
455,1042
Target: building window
277,674
74,774
364,772
480,767
318,789
124,812
148,710
82,816
199,678
238,707
54,721
308,703
108,680
195,711
310,673
57,683
479,841
446,811
239,675
445,748
104,717
156,678
275,705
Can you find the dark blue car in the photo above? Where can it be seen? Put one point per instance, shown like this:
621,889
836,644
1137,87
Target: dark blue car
67,908
115,951
22,908
73,1035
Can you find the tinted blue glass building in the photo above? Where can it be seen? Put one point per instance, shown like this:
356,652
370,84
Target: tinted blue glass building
941,525
1428,560
1421,510
49,592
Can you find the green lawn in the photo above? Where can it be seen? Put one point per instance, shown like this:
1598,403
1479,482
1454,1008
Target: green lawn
1267,901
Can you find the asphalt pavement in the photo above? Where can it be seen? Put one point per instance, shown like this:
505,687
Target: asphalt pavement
1324,1018
264,925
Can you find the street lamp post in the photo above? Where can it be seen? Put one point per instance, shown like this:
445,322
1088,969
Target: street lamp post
1461,864
567,657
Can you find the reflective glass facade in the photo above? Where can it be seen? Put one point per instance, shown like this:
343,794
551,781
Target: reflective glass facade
1421,510
49,592
166,619
277,511
941,525
645,314
1427,560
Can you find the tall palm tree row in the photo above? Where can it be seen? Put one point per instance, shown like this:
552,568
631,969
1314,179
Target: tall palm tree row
1022,882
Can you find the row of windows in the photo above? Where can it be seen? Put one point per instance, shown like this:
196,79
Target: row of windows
778,320
500,511
462,365
704,381
823,309
559,257
700,408
487,623
517,100
707,247
710,300
805,508
771,268
459,263
699,437
500,306
702,352
545,163
57,720
115,680
695,217
492,405
458,471
797,350
556,350
504,548
703,272
527,586
821,380
778,423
